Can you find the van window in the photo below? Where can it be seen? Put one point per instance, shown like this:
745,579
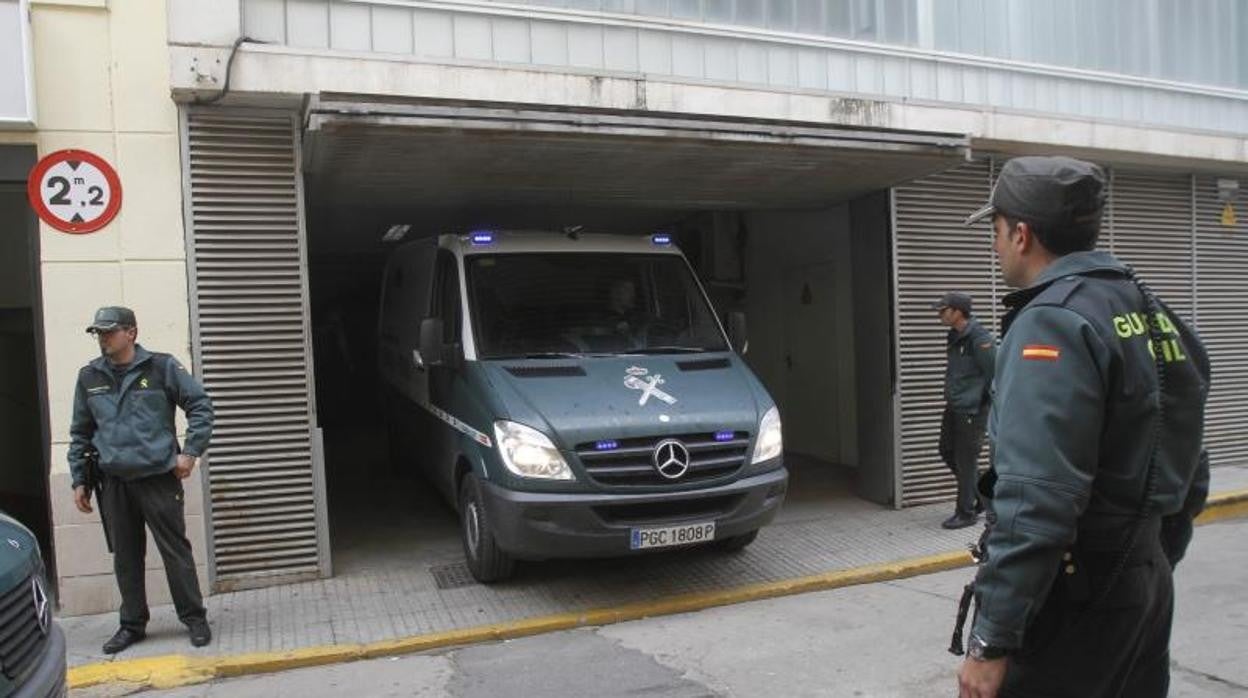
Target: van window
391,296
448,300
588,303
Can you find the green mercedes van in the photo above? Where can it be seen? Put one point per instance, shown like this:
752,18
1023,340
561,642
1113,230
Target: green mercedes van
32,646
574,396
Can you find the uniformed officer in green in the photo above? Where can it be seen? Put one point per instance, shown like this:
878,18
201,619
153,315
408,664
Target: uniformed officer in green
1099,467
124,404
971,355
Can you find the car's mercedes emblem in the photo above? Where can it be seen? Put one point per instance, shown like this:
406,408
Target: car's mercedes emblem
15,544
671,459
42,610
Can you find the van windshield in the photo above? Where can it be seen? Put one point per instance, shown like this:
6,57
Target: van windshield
539,305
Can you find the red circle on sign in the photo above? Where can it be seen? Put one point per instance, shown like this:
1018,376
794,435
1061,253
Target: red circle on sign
35,181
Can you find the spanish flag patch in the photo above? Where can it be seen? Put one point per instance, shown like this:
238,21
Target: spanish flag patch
1041,352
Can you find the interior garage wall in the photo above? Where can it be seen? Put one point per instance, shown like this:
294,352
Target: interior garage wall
799,308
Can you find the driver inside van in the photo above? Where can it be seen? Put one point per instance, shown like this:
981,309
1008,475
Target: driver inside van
622,307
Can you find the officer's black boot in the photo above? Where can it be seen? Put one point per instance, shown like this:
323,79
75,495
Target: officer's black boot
201,634
122,639
960,520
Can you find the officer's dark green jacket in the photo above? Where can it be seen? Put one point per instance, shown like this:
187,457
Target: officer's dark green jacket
131,422
972,354
1074,410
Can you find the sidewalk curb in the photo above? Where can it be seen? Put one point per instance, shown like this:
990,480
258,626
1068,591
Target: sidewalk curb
1224,505
170,671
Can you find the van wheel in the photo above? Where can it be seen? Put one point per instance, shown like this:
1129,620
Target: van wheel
486,561
736,544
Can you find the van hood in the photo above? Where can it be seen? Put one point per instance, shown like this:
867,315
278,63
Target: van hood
577,401
18,552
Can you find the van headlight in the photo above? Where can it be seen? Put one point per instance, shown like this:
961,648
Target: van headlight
528,452
770,443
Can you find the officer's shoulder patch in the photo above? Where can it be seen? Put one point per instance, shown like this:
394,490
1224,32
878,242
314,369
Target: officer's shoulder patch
1041,352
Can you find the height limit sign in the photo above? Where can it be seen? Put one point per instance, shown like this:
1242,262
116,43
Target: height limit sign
74,191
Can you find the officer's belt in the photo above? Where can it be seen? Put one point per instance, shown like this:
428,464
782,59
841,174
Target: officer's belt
1102,540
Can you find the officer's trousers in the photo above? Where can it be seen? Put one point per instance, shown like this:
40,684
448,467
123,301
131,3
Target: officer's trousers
156,502
961,439
1121,648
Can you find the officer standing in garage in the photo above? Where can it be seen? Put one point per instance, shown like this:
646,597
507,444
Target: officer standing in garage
971,354
1099,467
124,410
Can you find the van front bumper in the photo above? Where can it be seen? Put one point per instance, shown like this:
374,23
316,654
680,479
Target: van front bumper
47,678
537,525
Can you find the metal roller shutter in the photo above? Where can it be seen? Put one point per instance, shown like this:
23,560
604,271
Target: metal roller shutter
933,253
1167,226
1150,227
250,332
1222,296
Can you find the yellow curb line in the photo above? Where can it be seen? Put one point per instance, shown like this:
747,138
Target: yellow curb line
170,671
1224,505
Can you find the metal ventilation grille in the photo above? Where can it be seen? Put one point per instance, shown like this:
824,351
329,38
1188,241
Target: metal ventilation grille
934,253
1222,296
251,348
1150,226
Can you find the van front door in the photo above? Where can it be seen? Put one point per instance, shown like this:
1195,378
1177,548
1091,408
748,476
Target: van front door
443,380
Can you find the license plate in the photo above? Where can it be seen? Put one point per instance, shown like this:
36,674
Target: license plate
672,535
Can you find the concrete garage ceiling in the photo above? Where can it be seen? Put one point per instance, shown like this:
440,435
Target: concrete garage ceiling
414,156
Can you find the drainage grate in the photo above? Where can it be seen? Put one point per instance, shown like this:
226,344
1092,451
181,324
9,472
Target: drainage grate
452,576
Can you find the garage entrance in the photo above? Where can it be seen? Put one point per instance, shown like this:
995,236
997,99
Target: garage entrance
788,223
23,426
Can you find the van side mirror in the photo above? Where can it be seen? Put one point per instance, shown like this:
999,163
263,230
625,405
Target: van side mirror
431,341
435,352
736,332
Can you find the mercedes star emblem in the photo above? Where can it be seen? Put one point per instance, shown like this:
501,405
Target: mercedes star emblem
16,545
41,605
671,459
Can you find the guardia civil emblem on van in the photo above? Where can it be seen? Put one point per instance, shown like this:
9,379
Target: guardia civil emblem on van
638,378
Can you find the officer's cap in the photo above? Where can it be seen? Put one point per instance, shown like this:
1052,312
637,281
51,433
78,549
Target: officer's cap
110,318
1046,191
955,300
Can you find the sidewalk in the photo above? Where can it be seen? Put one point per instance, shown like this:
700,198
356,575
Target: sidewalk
821,533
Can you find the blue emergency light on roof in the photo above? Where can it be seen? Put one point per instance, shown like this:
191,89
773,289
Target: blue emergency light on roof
725,435
606,445
482,238
661,239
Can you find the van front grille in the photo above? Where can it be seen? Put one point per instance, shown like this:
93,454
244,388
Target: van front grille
22,640
630,462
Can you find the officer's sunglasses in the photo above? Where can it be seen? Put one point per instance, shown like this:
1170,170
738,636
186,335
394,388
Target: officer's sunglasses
108,333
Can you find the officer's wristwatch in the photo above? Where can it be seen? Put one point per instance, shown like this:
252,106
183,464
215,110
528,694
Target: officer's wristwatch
976,648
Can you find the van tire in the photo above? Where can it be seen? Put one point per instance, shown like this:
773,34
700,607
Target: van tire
486,561
736,544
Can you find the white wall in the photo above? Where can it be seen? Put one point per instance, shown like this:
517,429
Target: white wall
782,246
120,109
